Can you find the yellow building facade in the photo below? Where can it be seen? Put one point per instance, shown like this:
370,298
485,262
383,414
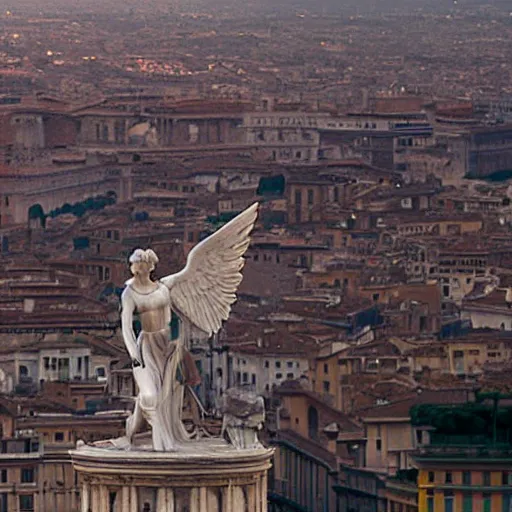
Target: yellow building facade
458,479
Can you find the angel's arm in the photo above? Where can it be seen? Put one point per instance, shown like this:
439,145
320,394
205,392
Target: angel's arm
127,309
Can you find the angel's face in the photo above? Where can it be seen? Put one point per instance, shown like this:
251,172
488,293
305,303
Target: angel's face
140,268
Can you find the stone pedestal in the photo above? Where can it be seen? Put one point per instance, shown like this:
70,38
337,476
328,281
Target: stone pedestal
207,476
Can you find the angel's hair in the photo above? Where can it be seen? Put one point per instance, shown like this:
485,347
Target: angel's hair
146,256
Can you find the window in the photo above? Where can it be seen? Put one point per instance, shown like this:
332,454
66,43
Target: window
467,503
245,377
278,364
326,368
378,445
289,364
506,478
466,478
431,477
27,475
327,386
193,132
430,504
311,196
486,499
46,363
312,422
253,379
266,364
4,476
279,375
59,437
3,502
507,503
26,503
448,478
289,375
448,501
486,478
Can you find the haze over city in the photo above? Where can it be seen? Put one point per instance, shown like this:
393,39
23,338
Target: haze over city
334,177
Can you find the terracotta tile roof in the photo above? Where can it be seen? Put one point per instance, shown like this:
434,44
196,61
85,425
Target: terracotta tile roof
308,445
400,408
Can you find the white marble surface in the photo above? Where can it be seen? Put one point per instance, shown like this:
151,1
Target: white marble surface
202,295
201,449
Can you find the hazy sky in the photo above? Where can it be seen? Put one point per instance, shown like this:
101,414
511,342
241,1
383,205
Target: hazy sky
53,7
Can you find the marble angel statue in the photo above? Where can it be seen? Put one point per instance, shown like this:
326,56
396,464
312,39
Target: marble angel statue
201,295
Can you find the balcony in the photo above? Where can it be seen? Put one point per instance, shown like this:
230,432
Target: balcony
20,449
465,448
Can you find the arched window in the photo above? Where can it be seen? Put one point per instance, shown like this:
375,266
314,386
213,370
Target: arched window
23,371
312,422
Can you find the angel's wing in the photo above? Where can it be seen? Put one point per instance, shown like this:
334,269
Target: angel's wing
206,288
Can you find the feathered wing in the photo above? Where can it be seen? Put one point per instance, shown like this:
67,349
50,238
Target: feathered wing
205,289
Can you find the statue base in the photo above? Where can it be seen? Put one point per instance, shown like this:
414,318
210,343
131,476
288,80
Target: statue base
206,475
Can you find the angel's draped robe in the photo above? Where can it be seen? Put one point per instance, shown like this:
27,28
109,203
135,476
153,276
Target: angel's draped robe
165,366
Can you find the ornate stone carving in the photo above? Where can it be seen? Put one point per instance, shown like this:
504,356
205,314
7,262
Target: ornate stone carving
201,295
244,414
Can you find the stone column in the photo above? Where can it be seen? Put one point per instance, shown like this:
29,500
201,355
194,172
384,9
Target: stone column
258,506
238,498
194,499
133,499
85,497
95,498
103,492
170,500
212,499
125,499
264,501
203,500
228,499
165,500
251,497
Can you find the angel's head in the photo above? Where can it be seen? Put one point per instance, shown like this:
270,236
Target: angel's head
143,261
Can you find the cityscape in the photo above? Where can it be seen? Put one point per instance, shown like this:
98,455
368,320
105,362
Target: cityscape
321,193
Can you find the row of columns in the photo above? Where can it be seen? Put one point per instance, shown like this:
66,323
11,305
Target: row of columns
176,132
234,498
